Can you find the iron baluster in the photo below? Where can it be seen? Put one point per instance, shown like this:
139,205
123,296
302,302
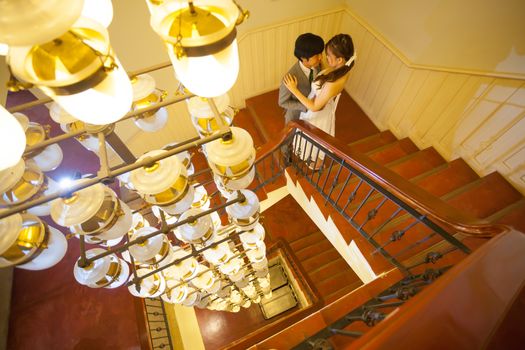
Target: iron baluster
352,196
362,203
372,213
378,229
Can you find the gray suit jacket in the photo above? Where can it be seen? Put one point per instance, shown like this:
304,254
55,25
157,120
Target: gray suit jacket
288,101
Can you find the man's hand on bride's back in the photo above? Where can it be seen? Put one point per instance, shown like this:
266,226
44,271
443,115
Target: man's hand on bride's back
290,82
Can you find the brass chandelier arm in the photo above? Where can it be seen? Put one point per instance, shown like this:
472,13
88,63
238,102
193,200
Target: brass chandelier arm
84,261
42,101
130,114
113,173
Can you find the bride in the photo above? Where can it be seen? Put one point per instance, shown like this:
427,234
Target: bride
326,87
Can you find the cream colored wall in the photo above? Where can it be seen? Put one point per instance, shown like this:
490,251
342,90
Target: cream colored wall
476,117
474,35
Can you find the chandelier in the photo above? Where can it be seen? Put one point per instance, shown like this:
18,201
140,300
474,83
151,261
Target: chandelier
190,257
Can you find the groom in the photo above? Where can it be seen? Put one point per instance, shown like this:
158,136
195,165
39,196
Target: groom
309,52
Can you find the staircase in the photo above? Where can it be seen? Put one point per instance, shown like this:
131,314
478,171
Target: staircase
490,198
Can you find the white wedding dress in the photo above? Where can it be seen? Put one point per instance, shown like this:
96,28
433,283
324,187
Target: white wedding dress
324,119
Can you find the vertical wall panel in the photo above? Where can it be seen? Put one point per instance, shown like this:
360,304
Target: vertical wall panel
476,117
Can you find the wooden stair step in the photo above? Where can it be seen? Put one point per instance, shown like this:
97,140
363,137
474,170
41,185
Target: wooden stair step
512,215
335,283
312,250
319,260
267,115
417,163
343,291
305,241
489,195
457,174
393,151
333,267
373,141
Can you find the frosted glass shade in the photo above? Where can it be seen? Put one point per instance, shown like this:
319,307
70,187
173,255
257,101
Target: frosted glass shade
204,279
219,253
105,103
100,11
150,287
244,215
29,243
176,292
232,160
198,231
209,72
94,210
47,158
145,95
25,182
184,270
34,22
202,116
106,272
12,139
253,238
163,183
59,115
155,250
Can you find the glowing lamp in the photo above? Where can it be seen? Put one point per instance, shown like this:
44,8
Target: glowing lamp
28,243
12,139
107,272
245,214
202,115
200,38
35,22
232,160
94,210
149,287
163,183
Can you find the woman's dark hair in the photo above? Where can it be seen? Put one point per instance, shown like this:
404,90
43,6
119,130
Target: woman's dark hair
340,45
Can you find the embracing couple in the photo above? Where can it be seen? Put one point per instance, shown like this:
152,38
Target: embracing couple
310,91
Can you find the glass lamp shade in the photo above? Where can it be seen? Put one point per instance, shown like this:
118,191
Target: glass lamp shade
155,250
218,254
138,221
59,115
12,139
29,243
184,270
196,232
76,55
163,183
24,182
104,103
94,210
201,199
101,242
203,117
184,157
254,238
204,302
203,68
34,22
145,95
244,215
89,141
204,279
246,304
258,254
231,267
232,160
150,287
170,219
47,158
193,297
100,11
176,292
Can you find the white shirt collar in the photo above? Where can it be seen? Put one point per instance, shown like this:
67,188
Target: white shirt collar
305,70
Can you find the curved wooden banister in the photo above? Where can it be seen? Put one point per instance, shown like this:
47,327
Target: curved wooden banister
408,192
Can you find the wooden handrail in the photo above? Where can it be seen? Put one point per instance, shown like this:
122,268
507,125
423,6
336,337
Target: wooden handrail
411,194
463,308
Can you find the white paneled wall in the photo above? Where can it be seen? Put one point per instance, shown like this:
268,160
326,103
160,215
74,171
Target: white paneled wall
266,54
474,116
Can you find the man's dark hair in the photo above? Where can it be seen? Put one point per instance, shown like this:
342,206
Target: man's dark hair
308,45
